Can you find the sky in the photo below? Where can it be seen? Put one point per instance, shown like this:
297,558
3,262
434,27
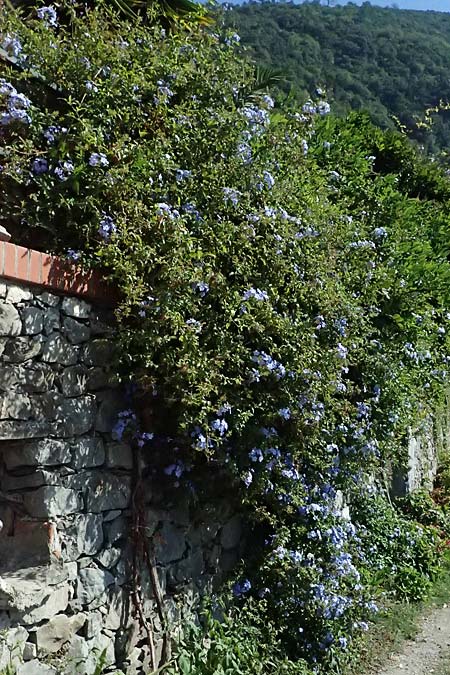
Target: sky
437,5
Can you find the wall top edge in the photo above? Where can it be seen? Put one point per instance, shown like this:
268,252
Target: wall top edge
26,266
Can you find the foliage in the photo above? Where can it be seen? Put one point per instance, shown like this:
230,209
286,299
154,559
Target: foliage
235,643
284,301
391,62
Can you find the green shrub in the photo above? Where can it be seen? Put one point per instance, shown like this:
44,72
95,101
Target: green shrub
284,295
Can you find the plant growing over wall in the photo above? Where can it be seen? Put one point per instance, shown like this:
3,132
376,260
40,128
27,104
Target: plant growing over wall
284,293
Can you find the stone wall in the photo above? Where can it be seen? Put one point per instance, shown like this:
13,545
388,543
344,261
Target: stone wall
425,445
66,488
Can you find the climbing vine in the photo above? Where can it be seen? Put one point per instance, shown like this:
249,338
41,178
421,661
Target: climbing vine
283,285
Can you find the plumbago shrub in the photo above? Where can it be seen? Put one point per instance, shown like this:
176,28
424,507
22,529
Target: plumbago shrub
283,309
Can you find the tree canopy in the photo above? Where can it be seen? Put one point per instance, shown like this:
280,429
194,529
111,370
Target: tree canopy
390,62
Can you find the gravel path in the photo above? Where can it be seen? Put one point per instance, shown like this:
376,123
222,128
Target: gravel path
428,652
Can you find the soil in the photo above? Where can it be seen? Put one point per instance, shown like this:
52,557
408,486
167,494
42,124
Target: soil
428,652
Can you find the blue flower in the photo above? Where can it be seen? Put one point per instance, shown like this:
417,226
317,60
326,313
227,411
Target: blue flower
40,165
12,45
73,255
52,132
255,293
380,233
48,15
164,89
182,174
323,108
221,426
177,469
268,179
64,170
201,287
342,351
231,195
143,437
107,227
341,326
248,478
244,152
194,325
363,409
256,455
90,86
98,159
268,100
241,588
285,413
232,39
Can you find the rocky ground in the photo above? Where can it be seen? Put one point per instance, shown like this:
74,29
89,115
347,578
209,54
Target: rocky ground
428,652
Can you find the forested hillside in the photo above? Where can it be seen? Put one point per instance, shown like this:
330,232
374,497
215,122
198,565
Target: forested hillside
387,61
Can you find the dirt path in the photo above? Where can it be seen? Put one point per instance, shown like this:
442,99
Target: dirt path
428,652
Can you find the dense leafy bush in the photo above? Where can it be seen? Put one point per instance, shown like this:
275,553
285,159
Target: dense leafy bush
284,294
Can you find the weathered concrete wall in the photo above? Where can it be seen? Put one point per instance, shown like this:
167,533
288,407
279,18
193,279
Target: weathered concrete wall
425,445
65,495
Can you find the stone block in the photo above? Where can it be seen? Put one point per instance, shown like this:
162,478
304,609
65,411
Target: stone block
170,543
20,429
87,452
102,644
76,416
92,583
119,456
15,406
75,331
74,381
111,403
29,651
37,377
190,568
58,350
102,322
99,378
55,601
10,323
228,560
43,452
116,530
94,624
32,320
51,501
46,405
30,594
30,378
111,515
49,299
98,352
34,667
57,632
76,308
52,320
26,481
87,533
21,349
109,557
231,533
104,491
16,294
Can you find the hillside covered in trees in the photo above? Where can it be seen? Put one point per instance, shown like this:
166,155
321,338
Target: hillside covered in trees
390,62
